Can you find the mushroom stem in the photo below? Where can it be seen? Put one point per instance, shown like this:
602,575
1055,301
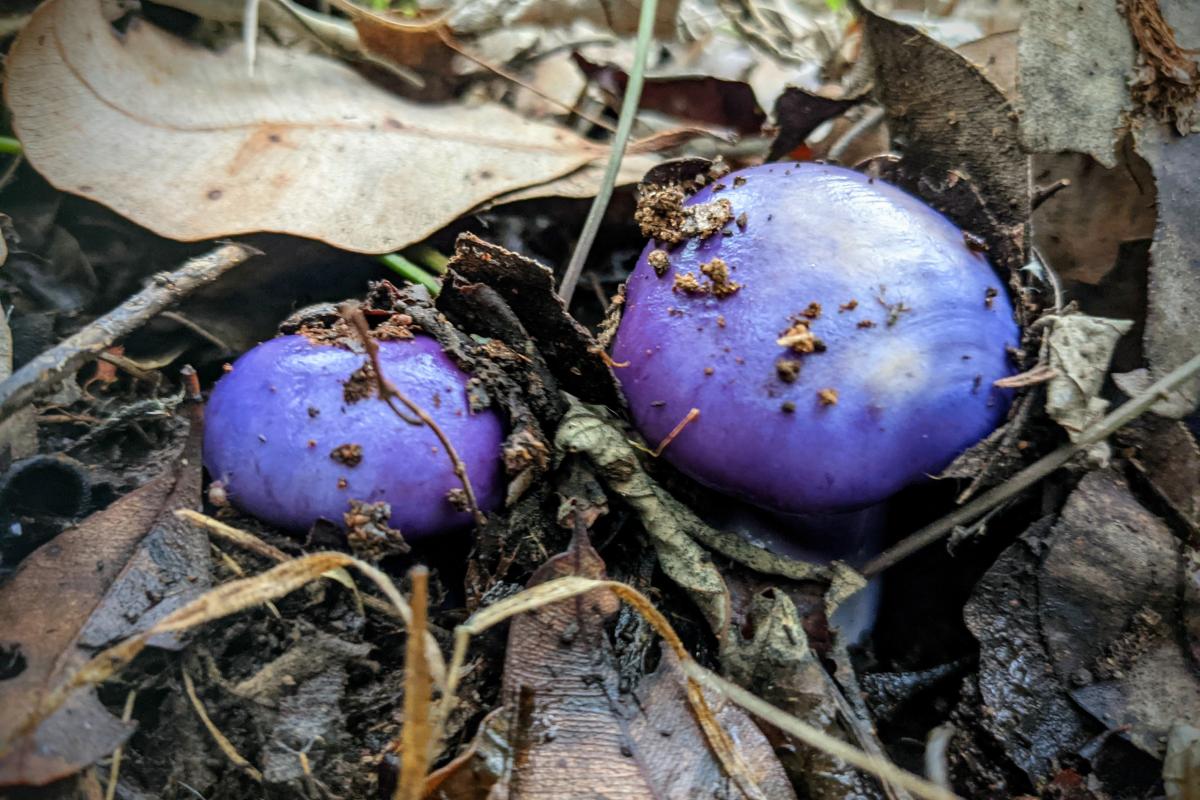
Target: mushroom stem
853,537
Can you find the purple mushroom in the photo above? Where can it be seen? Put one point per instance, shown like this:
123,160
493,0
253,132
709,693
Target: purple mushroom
294,439
839,338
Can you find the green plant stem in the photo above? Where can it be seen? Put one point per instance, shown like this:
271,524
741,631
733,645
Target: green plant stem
1127,412
629,106
428,257
410,272
10,146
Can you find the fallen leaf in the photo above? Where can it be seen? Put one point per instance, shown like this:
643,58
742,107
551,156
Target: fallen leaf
798,112
1168,458
193,149
1108,593
114,574
1181,767
566,728
1029,717
996,57
951,120
1080,230
1174,315
1074,66
1081,348
697,98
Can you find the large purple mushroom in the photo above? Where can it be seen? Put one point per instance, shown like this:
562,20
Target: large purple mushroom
839,338
292,444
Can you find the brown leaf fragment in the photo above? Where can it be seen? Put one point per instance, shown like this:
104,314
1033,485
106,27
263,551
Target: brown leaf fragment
194,150
114,574
1108,591
798,112
949,117
1038,720
705,99
569,730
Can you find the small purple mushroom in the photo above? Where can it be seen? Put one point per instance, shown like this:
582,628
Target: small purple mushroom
839,337
291,443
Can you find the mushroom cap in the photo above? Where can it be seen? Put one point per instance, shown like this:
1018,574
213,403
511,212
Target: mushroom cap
274,423
913,390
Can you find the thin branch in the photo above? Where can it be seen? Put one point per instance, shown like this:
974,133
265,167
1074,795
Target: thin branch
869,120
46,371
388,392
629,106
1027,477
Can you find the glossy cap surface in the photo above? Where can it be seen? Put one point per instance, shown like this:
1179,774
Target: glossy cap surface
913,323
278,427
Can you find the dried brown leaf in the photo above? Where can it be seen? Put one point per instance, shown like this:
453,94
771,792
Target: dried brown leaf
569,731
78,590
193,149
950,120
1108,606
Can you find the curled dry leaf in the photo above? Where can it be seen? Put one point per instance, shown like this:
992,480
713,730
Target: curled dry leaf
567,729
101,575
1081,348
306,147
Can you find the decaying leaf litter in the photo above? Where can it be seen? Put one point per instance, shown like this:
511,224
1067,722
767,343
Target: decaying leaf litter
1038,622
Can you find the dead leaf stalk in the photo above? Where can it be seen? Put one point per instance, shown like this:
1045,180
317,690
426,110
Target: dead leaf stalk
416,737
46,371
221,739
221,602
114,771
629,106
1126,413
389,392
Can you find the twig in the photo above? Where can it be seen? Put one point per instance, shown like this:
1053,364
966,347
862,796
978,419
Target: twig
629,106
936,764
222,741
114,771
1043,193
197,329
388,392
46,371
868,121
1027,477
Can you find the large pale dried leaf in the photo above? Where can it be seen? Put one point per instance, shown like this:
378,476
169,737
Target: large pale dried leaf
1074,66
567,730
54,607
180,140
1081,348
1108,594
